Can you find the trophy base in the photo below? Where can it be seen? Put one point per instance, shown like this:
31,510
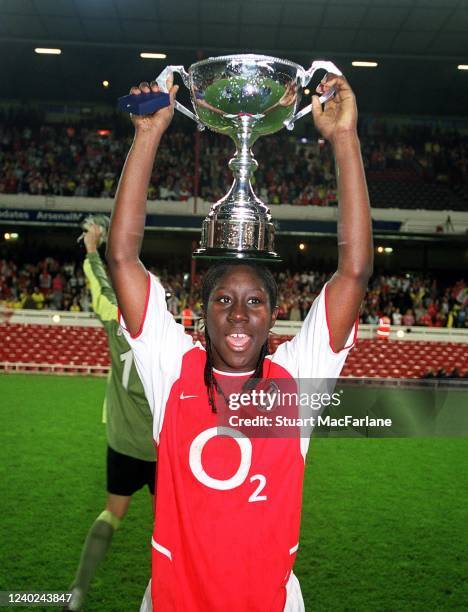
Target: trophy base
227,254
237,238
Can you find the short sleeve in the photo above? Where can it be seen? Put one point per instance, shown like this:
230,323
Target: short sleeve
310,354
158,349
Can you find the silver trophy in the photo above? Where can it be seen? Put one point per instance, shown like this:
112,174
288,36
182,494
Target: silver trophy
244,97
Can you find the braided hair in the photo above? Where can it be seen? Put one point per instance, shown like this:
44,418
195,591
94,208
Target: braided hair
210,280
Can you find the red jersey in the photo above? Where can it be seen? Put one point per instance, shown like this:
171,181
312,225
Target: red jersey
227,506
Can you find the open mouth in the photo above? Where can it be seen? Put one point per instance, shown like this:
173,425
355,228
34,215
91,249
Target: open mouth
238,341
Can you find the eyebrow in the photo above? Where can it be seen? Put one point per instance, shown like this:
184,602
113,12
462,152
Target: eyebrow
223,288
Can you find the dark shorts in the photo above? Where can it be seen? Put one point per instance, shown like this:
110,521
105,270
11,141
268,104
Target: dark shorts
127,475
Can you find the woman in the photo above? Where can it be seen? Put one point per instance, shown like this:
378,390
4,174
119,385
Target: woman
228,507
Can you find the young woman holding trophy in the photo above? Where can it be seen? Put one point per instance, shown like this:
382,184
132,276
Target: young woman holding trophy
228,506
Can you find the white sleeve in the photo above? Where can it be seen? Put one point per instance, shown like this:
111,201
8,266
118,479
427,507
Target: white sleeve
310,354
158,348
310,358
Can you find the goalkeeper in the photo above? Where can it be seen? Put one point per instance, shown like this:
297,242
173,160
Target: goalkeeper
130,449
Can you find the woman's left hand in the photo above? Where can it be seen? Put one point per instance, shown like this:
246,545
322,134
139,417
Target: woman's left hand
92,238
339,115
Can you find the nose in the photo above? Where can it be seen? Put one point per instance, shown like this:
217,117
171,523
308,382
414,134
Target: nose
238,312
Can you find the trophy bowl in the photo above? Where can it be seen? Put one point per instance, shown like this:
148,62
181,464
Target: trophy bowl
225,88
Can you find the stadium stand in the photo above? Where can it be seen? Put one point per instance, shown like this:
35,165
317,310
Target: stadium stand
406,299
83,349
406,170
430,314
46,348
394,189
422,168
395,359
427,312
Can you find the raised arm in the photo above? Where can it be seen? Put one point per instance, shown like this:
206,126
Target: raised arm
128,274
337,122
104,302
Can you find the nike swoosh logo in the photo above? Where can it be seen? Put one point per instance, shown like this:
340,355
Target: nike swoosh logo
182,396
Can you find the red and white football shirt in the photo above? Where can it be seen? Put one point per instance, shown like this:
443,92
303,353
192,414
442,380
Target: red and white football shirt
227,507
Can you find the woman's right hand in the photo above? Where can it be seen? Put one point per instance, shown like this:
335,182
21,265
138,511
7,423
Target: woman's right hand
159,121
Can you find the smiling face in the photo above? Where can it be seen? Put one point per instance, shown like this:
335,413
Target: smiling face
238,318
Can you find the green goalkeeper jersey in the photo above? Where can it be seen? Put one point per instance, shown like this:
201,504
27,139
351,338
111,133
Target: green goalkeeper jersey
128,416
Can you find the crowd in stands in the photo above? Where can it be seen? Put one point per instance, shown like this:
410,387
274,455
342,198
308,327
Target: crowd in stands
413,300
82,160
48,284
68,161
407,300
438,156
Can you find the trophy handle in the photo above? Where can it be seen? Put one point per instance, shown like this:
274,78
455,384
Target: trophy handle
305,80
162,80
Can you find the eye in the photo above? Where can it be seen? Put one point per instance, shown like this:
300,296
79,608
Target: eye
254,300
223,299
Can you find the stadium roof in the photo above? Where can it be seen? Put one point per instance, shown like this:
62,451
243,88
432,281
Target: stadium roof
417,43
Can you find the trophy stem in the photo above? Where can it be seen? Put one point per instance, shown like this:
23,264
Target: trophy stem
241,194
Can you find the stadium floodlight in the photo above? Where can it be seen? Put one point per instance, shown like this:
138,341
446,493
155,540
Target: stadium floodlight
388,249
105,83
44,51
153,55
462,66
359,64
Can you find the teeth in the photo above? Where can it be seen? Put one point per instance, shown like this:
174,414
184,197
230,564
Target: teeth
239,335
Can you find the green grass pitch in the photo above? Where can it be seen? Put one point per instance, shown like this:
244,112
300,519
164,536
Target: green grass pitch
384,523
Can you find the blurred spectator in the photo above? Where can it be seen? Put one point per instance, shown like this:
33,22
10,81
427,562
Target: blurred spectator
38,298
408,318
75,306
396,317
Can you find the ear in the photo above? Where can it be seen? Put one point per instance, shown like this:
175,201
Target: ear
274,314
